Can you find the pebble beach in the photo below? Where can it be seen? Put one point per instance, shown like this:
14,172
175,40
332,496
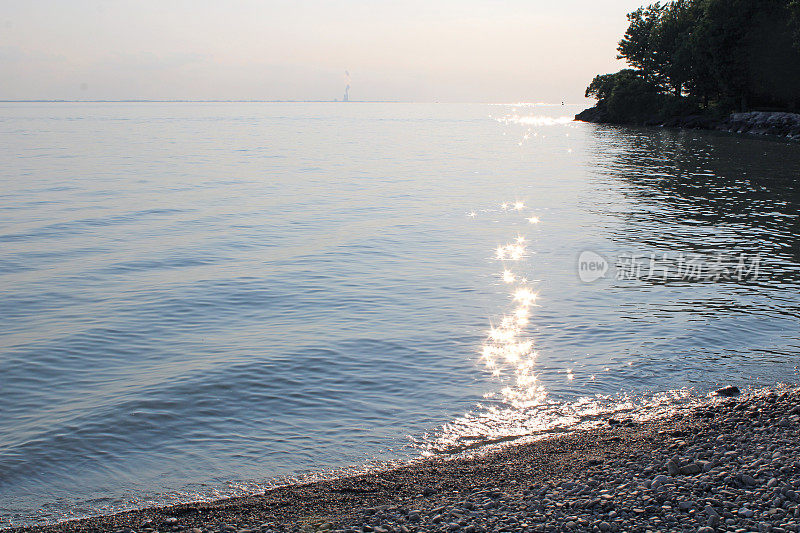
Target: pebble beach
722,464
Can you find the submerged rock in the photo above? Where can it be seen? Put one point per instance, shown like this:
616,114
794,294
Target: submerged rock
728,391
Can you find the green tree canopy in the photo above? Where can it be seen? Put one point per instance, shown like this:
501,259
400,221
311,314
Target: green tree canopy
724,53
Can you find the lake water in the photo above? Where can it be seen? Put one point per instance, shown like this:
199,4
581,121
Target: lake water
199,298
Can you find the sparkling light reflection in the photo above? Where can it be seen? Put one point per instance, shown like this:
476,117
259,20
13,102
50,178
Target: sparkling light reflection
535,120
508,352
521,410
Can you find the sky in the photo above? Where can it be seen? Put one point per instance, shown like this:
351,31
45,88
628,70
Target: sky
412,50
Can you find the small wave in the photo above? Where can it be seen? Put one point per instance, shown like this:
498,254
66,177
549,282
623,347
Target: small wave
490,425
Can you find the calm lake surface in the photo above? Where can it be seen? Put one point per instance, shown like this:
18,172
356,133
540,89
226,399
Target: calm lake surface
199,298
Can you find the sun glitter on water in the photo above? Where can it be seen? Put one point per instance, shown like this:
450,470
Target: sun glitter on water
508,355
519,406
508,351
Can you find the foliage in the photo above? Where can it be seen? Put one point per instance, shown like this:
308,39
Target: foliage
794,20
715,53
627,97
603,84
635,47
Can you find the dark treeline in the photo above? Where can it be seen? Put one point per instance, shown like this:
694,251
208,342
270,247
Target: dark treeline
704,56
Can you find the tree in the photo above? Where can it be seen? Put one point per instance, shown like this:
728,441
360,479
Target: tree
670,44
603,84
636,47
722,30
772,57
794,20
727,54
626,97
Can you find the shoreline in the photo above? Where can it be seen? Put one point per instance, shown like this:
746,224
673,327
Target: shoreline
723,464
766,123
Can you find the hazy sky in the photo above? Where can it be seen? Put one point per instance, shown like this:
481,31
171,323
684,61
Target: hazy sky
465,50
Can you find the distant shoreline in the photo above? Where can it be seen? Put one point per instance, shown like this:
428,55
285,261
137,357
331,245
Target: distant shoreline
135,101
685,469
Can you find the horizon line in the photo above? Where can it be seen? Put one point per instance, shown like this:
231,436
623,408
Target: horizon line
181,100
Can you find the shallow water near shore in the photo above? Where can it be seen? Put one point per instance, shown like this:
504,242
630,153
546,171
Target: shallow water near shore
198,298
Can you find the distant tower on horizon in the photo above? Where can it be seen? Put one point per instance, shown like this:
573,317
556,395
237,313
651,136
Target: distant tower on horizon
346,86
